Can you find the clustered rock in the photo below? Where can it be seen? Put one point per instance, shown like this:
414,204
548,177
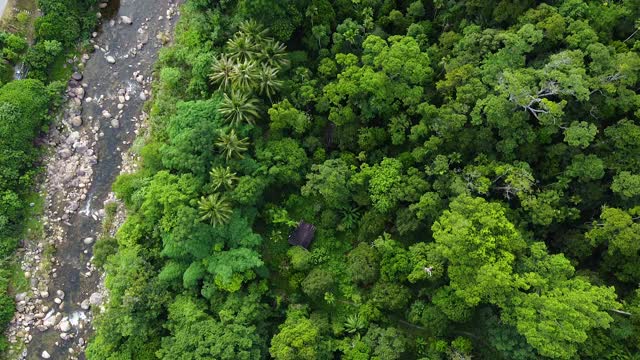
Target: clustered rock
69,176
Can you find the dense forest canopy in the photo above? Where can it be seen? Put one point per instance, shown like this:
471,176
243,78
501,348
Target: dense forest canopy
471,169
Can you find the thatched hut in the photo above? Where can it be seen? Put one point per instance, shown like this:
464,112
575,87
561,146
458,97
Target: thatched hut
302,235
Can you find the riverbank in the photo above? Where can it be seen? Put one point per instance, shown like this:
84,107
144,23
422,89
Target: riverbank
99,122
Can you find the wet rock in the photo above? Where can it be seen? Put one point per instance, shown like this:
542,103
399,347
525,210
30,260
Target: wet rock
73,206
126,20
111,59
76,121
45,355
79,91
65,325
52,320
76,76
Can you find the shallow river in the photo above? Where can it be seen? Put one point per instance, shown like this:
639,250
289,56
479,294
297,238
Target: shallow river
104,80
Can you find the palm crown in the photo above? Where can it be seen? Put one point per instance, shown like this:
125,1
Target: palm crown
231,145
222,176
239,108
215,208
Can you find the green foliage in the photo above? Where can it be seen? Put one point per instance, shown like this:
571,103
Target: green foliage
284,116
299,338
626,184
470,170
480,245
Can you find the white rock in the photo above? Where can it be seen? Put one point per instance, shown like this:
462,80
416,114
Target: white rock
143,97
76,121
115,123
111,59
126,20
95,298
65,325
106,114
88,240
44,294
45,355
85,304
79,92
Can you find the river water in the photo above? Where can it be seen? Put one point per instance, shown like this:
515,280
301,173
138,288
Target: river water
3,6
104,80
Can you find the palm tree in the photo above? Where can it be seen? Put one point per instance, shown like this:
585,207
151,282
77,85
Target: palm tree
231,145
222,71
244,75
241,47
269,82
239,108
353,324
221,176
215,208
274,53
253,30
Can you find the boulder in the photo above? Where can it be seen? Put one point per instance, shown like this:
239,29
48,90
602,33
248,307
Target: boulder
79,91
95,299
126,20
76,76
88,241
65,325
45,355
76,121
85,304
111,59
21,296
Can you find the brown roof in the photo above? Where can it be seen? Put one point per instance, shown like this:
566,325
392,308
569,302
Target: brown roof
302,235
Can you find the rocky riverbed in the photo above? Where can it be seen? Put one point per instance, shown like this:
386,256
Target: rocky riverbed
88,145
